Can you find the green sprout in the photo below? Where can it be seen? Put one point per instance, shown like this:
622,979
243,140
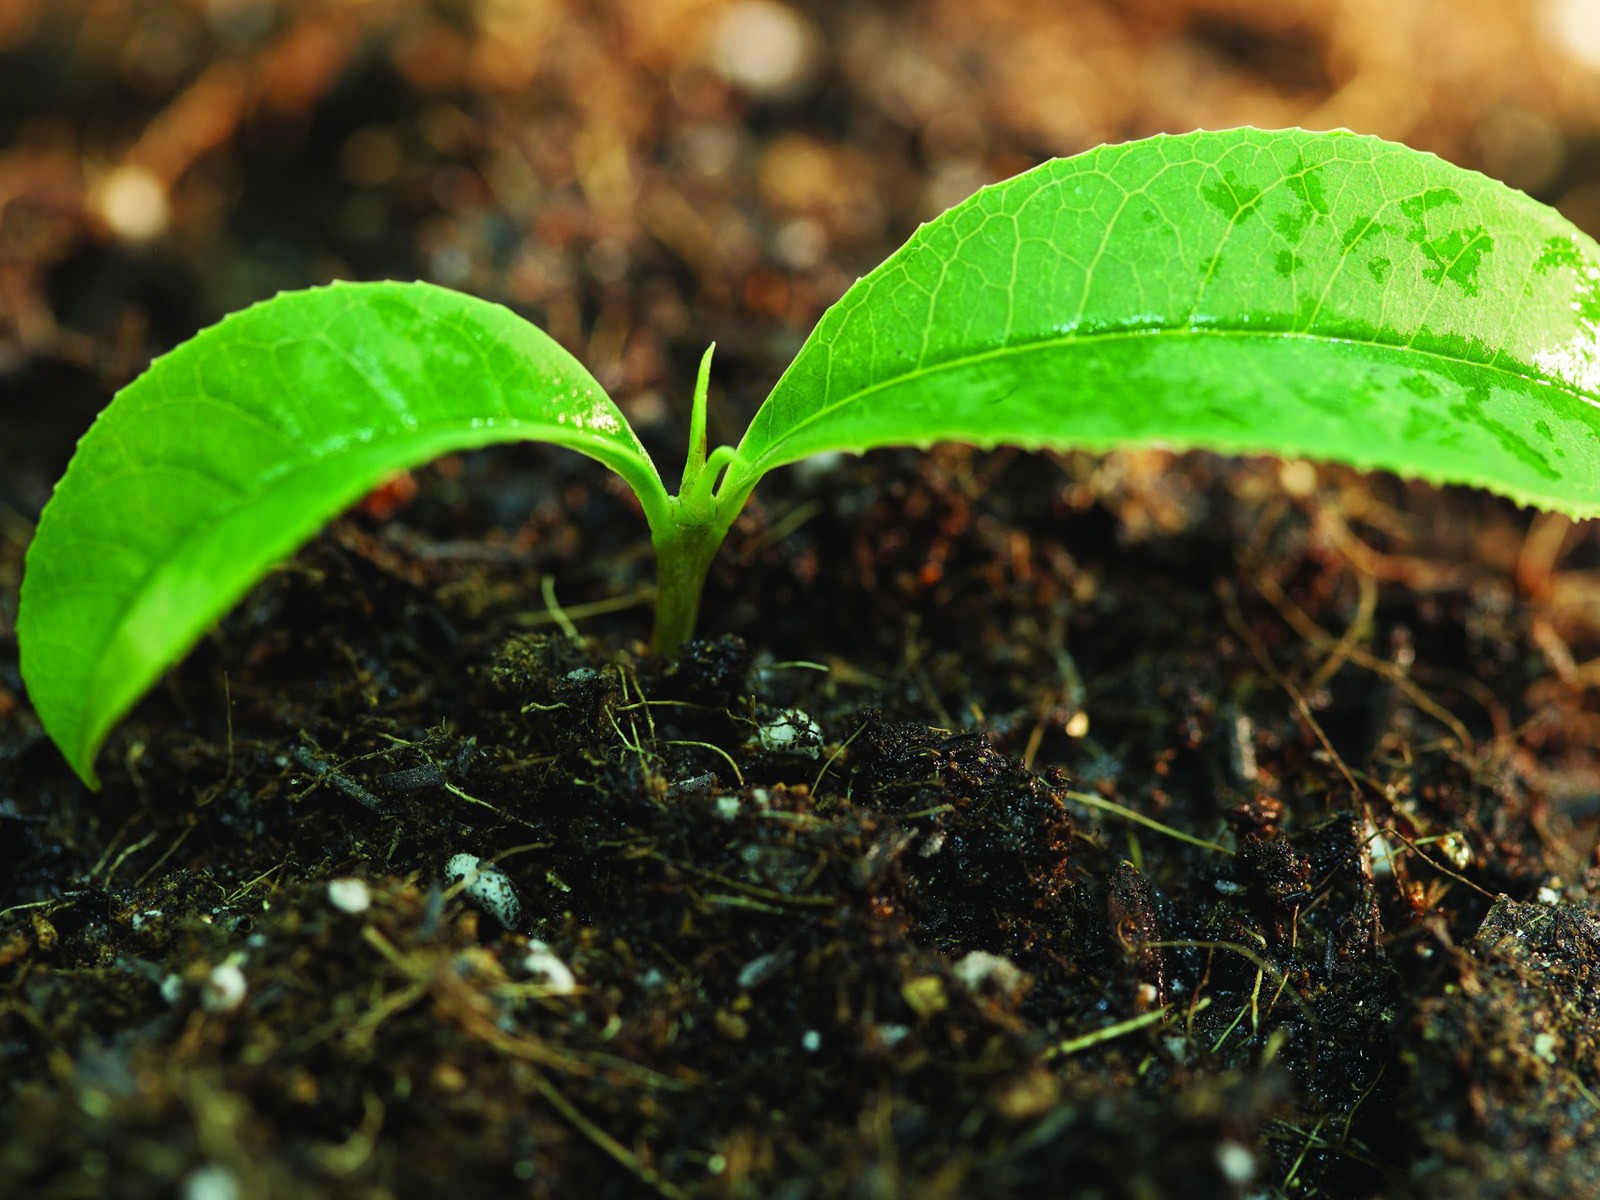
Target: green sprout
1301,294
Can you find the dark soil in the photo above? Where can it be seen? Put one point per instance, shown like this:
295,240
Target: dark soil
1024,825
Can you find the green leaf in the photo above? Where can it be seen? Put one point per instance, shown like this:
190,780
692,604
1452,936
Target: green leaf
239,445
1316,294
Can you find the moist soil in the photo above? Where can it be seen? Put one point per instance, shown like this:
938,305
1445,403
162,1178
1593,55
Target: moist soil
1128,826
859,924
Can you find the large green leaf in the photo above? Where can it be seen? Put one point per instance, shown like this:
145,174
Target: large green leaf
1316,294
240,444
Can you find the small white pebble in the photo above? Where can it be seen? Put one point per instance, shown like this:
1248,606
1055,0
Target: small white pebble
224,989
1544,1046
816,471
791,732
349,895
758,970
172,988
141,919
800,245
132,201
1549,895
544,967
210,1182
811,1041
766,48
1237,1164
728,807
488,888
980,967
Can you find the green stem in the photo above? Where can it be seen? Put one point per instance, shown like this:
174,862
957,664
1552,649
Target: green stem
692,527
683,556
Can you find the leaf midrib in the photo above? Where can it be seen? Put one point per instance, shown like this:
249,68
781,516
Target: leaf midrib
764,463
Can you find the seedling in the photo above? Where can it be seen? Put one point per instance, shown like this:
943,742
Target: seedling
1293,293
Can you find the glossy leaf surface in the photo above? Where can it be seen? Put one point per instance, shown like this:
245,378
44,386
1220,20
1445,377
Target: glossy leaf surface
239,445
1304,294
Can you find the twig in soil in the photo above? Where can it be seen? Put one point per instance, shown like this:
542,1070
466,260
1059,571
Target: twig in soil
1541,550
637,745
784,526
1311,1139
636,705
1260,963
461,795
16,908
466,1005
189,827
1108,1032
1440,867
547,589
126,854
216,789
1253,1008
456,1000
360,1035
1354,1151
594,608
111,847
350,1155
1350,1117
835,756
525,848
1360,627
330,775
1236,621
930,697
631,676
603,1141
737,774
1138,818
750,889
1298,620
244,889
412,779
1410,571
1070,712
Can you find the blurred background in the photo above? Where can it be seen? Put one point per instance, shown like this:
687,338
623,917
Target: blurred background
641,177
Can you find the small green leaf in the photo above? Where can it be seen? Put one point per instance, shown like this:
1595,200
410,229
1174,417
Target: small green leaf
239,445
1316,294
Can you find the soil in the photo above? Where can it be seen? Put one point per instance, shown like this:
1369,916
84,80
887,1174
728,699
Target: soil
1131,826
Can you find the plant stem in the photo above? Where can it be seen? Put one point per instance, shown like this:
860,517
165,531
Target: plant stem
683,556
687,535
